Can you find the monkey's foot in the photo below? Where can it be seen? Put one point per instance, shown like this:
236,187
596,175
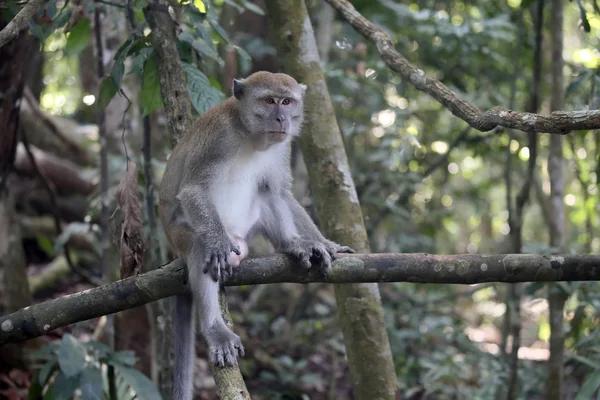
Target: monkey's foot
224,345
309,253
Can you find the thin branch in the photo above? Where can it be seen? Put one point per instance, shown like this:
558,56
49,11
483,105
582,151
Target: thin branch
39,319
558,122
12,29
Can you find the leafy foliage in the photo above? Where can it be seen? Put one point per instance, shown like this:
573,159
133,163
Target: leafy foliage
72,365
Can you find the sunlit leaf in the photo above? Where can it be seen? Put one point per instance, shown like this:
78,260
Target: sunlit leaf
79,37
45,244
150,97
71,356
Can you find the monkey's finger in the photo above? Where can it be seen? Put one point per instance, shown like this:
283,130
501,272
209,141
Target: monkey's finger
235,248
214,268
345,249
240,350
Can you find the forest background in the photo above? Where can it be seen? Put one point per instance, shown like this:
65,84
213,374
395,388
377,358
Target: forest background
93,100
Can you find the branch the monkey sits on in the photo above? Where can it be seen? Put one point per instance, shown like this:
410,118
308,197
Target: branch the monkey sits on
227,179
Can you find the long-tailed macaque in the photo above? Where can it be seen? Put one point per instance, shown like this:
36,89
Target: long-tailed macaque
227,179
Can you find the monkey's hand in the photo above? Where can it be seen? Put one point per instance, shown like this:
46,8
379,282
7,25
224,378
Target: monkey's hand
309,253
218,256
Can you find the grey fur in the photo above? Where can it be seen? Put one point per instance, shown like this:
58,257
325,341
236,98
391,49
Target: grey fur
230,176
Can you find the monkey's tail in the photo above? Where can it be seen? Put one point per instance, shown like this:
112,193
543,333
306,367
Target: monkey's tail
183,382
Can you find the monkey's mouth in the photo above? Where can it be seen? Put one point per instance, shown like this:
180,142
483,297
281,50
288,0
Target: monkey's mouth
277,136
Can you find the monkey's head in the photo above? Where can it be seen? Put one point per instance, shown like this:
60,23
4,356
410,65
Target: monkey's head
270,104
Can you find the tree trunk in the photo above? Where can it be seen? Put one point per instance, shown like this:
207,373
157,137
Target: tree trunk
14,288
336,202
229,381
556,295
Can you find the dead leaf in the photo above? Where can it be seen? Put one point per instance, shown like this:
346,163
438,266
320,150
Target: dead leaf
131,244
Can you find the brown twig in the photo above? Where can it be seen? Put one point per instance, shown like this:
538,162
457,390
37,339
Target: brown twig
558,122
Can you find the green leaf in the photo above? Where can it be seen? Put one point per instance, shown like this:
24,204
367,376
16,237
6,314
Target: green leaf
120,56
137,63
202,95
203,47
63,387
46,244
62,19
143,386
591,384
48,352
150,97
124,357
71,356
254,8
139,4
79,37
90,382
46,372
35,389
108,89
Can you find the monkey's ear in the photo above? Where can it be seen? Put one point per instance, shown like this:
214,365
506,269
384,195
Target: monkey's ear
303,88
238,88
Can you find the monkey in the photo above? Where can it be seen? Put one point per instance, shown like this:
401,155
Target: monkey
227,179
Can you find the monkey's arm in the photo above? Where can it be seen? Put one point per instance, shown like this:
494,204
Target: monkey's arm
200,214
287,225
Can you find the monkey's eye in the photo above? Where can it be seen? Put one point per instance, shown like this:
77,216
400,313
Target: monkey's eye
270,100
285,102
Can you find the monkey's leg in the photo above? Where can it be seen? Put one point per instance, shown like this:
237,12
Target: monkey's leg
223,344
184,347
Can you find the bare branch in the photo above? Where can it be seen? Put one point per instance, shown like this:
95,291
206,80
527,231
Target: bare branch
558,122
12,29
39,319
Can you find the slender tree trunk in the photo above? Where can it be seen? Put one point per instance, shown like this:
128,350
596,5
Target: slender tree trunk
229,381
14,288
556,296
336,202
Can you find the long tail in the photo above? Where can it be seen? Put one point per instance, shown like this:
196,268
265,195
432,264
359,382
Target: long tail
183,382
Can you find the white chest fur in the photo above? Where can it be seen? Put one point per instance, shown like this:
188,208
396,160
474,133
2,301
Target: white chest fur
235,193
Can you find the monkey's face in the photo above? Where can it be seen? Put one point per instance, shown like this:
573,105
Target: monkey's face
272,107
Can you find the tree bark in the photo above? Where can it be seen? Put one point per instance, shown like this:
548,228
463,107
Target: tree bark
14,288
556,295
169,280
336,203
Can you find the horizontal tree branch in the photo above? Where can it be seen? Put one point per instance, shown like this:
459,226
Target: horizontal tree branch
558,122
12,29
38,319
